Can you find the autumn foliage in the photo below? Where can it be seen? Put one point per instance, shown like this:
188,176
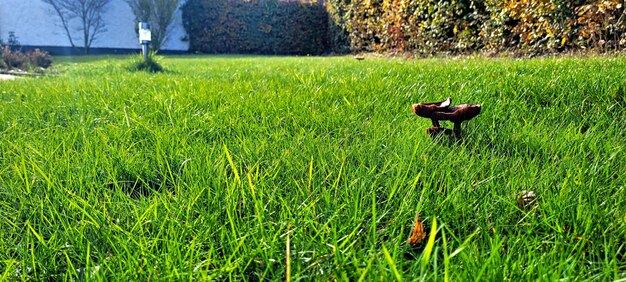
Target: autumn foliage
428,26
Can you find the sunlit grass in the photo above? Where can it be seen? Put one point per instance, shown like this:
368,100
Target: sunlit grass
205,171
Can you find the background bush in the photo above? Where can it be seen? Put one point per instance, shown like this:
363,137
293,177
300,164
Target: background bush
15,59
413,26
258,27
530,26
39,58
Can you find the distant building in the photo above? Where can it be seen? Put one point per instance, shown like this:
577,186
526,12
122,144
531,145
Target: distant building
36,26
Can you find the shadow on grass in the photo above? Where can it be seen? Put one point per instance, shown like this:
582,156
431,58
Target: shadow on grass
137,187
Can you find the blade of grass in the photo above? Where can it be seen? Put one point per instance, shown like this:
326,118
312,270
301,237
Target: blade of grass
392,264
430,244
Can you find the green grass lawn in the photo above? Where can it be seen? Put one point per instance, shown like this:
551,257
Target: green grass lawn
233,168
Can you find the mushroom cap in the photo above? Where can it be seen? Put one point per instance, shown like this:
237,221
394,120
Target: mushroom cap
457,113
427,109
446,103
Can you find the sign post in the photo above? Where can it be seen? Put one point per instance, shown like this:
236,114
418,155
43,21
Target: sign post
144,38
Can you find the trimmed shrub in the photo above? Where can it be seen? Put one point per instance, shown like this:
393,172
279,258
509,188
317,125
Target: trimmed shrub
410,26
150,65
256,27
407,26
38,58
338,37
602,25
17,60
540,25
14,59
462,26
436,26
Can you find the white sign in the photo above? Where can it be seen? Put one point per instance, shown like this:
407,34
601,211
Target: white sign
144,35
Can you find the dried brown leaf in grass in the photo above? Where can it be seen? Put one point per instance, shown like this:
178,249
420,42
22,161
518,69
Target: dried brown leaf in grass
417,235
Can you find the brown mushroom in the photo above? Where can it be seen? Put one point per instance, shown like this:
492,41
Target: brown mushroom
457,115
442,111
426,110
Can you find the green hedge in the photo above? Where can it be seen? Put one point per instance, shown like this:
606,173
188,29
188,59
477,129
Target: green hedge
413,26
259,27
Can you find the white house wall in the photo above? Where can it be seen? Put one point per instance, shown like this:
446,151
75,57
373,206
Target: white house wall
35,24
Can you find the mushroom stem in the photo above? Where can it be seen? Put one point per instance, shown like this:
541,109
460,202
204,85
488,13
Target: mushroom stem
457,129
